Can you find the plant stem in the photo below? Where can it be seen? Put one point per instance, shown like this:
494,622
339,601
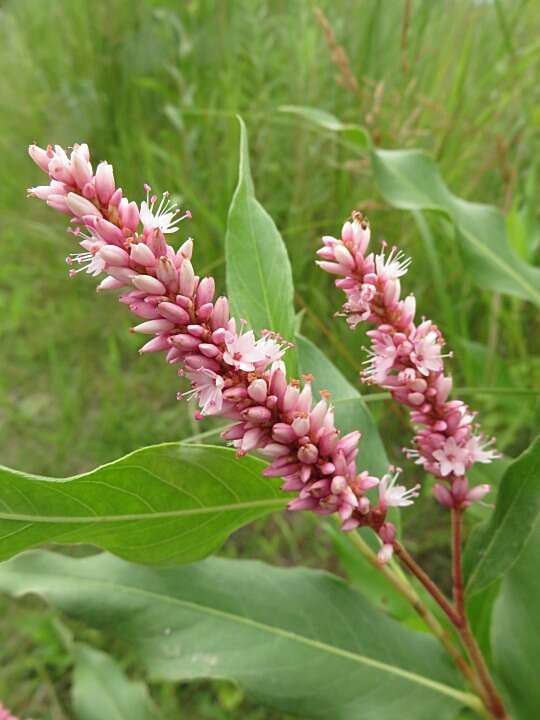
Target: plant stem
428,583
457,574
490,694
410,594
493,699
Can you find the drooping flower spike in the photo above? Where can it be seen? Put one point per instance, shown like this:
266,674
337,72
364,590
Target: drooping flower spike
232,373
407,360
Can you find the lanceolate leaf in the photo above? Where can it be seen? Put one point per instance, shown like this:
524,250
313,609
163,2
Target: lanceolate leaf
351,411
410,179
516,513
516,629
259,276
295,639
169,503
102,691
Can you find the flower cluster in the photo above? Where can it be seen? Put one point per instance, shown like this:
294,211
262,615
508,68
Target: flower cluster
407,359
231,372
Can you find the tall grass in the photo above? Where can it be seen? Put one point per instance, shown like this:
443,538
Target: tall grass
154,86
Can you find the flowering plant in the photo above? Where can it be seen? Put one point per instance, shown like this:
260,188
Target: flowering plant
271,630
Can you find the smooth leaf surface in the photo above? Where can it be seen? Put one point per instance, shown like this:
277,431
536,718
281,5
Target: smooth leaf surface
516,629
410,179
517,510
259,275
351,411
353,134
296,639
169,503
101,690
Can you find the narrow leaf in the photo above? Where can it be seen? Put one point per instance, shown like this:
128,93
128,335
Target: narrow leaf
410,179
259,275
296,639
517,510
102,691
169,503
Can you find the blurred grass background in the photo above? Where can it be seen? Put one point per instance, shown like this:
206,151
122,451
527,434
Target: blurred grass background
153,86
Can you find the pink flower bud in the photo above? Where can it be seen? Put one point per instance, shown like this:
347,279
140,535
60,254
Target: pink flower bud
122,274
187,279
308,454
153,326
167,273
174,313
104,182
282,432
80,168
257,390
205,291
109,232
185,342
109,283
220,314
186,250
385,554
116,198
40,157
300,425
443,495
114,255
149,284
129,215
257,414
142,255
80,206
209,350
478,493
157,344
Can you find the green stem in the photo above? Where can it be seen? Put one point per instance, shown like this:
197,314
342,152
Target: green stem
409,593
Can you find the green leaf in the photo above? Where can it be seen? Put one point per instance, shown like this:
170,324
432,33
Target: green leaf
102,691
169,503
410,179
516,629
259,275
296,639
352,134
351,411
366,578
517,509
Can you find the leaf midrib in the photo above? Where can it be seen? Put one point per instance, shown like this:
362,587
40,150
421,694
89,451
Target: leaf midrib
97,519
463,697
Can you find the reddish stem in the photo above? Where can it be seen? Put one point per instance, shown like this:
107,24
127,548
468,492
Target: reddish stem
457,573
492,699
427,582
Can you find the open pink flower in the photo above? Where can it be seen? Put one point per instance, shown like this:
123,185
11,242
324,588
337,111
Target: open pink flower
243,351
392,495
208,389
